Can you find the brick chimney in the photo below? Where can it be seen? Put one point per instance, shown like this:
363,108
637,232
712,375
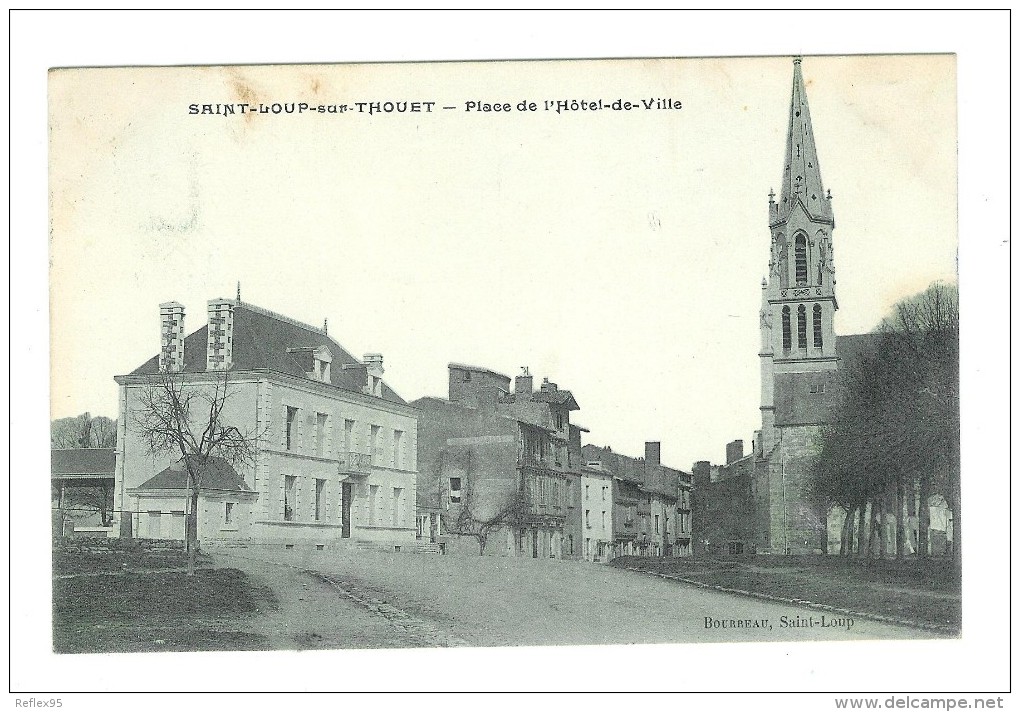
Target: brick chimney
171,332
653,453
734,451
524,383
548,386
220,348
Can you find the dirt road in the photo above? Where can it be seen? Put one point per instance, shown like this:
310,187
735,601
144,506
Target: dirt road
364,599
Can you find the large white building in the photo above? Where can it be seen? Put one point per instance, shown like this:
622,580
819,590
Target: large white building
336,449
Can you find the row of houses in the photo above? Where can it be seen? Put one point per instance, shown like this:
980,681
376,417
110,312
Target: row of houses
502,467
338,458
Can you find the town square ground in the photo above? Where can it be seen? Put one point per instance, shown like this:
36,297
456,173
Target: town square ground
368,599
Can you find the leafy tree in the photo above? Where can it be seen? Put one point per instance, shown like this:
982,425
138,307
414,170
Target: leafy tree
898,421
926,334
187,420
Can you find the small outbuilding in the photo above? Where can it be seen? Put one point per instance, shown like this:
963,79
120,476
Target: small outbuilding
225,502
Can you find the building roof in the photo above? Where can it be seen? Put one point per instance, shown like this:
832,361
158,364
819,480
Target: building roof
557,397
657,479
215,474
83,462
264,340
478,369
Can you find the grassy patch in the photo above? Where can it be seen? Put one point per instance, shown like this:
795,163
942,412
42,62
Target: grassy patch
158,611
926,592
87,560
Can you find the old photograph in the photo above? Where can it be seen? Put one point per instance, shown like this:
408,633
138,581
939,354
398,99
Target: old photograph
346,357
253,437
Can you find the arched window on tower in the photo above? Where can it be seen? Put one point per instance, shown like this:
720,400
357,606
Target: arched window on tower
787,343
801,327
817,324
800,259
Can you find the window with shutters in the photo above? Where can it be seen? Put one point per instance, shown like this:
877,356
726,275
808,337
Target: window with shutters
320,434
289,497
291,428
320,500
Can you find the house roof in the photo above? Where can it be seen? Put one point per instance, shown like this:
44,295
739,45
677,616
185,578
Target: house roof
657,479
478,369
215,473
265,340
83,462
556,397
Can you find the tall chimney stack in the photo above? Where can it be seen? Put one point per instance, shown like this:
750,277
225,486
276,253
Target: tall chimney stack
524,384
734,451
653,453
220,349
171,331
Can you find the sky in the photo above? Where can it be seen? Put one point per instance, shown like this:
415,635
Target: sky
617,253
104,314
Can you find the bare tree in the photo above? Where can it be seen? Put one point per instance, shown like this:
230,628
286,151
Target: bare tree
97,497
510,512
83,431
187,420
104,432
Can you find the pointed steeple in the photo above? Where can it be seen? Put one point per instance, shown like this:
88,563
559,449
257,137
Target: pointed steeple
802,177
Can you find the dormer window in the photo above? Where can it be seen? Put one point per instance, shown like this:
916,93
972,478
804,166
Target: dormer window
323,357
315,362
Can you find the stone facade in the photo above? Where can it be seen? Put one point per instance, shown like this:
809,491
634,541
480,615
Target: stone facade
485,448
798,345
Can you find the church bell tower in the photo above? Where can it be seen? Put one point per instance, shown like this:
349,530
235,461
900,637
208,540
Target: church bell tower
798,298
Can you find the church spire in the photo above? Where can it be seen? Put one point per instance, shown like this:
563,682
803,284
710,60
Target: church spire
802,177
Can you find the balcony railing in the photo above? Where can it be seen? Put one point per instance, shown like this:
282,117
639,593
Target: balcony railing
354,463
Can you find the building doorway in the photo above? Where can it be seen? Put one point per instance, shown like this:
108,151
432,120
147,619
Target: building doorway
346,495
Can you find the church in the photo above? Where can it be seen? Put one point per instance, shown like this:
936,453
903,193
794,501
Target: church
769,489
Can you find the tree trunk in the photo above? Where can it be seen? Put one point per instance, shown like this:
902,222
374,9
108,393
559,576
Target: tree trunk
901,520
874,526
825,531
481,544
883,541
192,533
105,495
862,549
924,518
954,507
844,535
